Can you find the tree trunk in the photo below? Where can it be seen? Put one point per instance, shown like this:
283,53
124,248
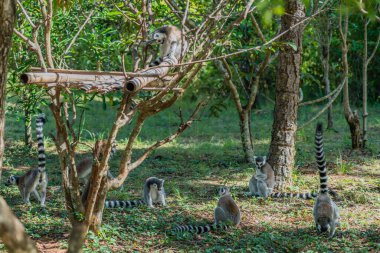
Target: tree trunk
77,237
282,150
12,232
7,22
245,134
325,41
97,215
28,127
352,118
366,61
244,113
365,84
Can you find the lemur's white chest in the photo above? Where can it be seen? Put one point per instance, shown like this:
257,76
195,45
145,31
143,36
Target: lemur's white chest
154,194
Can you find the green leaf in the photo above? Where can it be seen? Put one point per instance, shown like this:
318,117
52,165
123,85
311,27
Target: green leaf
292,45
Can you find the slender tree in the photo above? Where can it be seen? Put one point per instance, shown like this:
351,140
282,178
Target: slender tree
324,32
7,22
352,117
245,97
282,150
366,61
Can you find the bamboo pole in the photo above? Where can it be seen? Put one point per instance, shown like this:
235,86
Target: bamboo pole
103,86
91,72
43,77
75,71
138,83
103,82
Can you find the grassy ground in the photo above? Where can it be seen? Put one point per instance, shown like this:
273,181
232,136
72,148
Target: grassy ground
194,165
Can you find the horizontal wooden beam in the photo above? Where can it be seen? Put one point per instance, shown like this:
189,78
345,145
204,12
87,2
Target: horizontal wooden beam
75,71
93,72
43,77
151,79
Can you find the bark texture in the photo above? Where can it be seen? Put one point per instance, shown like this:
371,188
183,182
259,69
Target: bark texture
12,232
282,150
245,134
7,21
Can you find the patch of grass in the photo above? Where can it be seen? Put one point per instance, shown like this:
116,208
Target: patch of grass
206,156
343,167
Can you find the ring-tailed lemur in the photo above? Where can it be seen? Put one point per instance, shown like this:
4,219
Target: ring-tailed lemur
36,177
325,211
262,183
123,203
154,192
170,39
227,211
84,167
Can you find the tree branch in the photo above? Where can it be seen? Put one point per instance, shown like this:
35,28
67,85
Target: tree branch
374,49
47,14
255,87
26,15
322,98
126,157
180,130
175,9
242,51
259,32
33,46
324,108
77,34
242,16
227,75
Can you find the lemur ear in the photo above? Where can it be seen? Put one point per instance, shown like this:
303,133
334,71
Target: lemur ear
254,157
163,181
264,158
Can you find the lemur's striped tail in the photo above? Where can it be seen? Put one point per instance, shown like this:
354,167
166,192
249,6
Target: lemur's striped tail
40,121
307,195
123,204
199,229
320,156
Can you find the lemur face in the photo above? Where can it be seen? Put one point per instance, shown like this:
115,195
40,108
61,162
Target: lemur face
11,180
323,224
159,186
223,190
159,37
260,161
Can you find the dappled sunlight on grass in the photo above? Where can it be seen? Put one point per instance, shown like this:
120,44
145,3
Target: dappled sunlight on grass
194,165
